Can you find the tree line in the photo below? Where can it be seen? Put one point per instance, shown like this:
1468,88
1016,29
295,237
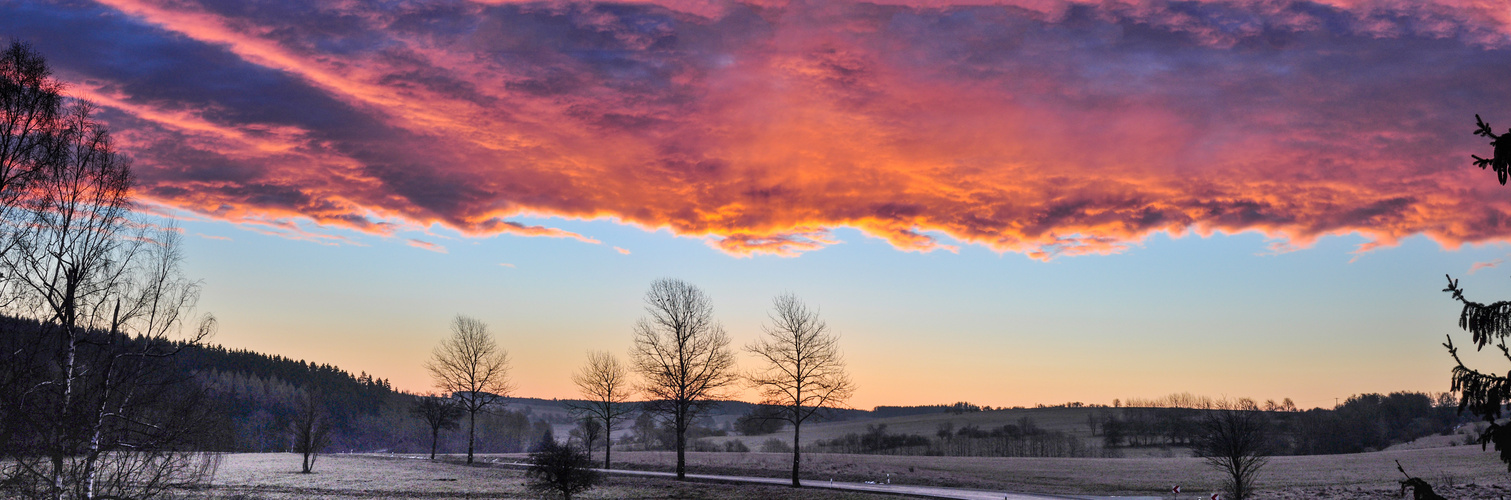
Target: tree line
682,367
1365,422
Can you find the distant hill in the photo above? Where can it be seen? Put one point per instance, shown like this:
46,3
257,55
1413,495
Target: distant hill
255,392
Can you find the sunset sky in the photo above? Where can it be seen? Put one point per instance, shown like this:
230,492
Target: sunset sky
1007,203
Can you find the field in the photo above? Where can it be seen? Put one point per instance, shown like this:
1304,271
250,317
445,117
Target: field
275,476
1461,472
1459,465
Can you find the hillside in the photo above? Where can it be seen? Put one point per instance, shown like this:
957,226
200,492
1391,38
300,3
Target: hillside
1070,421
253,394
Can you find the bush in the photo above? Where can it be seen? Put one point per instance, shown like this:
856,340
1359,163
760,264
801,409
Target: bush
557,469
736,446
703,445
775,445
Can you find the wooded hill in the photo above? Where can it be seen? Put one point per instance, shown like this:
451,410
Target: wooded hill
251,398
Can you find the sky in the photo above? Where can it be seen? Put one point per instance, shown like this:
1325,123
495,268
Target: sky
1006,203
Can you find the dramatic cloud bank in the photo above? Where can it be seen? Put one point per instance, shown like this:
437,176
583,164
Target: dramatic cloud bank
1043,127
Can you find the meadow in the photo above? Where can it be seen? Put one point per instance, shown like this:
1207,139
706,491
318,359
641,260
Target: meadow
1461,472
1459,465
275,476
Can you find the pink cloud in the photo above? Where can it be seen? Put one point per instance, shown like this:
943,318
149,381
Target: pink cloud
1484,265
426,245
1047,128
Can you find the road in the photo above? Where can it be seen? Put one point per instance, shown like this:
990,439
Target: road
894,489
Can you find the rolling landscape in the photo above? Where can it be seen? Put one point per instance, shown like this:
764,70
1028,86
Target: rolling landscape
755,249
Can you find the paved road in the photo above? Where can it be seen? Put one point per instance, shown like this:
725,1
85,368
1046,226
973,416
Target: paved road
895,489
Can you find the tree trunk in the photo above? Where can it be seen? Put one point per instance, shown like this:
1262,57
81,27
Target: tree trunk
471,433
68,376
796,453
681,446
608,443
435,434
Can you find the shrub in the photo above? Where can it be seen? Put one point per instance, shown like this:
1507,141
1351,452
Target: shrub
703,445
557,469
775,445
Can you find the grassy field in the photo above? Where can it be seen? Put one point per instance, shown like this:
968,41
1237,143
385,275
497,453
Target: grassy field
1339,477
1108,476
275,476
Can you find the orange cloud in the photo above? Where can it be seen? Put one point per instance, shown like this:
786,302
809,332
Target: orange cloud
1048,128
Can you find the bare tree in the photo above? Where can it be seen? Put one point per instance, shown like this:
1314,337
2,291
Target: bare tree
1235,439
588,430
438,413
803,370
605,387
91,376
683,355
311,427
470,367
31,106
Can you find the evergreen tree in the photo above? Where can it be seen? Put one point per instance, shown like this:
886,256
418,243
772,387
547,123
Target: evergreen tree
1484,394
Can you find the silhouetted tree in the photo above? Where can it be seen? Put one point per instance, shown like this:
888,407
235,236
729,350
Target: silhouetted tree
311,427
1501,152
604,384
557,469
1485,394
1234,439
90,375
683,355
31,108
803,370
438,413
471,368
588,431
1112,431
